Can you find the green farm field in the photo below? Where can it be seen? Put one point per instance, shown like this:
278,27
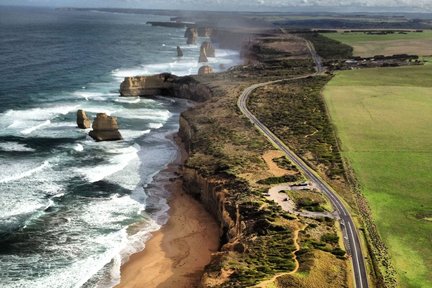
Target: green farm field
418,43
383,118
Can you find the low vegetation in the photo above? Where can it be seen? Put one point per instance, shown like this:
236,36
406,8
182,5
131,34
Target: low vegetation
284,163
296,113
329,48
308,200
227,151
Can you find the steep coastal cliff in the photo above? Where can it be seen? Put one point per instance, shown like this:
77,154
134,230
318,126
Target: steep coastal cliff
165,84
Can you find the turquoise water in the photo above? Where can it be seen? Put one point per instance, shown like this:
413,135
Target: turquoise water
66,202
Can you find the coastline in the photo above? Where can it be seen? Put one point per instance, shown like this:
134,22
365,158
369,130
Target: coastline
176,254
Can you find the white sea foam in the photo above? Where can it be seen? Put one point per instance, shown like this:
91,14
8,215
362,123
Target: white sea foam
116,163
133,134
23,174
36,127
15,147
78,147
100,109
129,100
89,95
155,125
24,122
38,113
144,114
184,66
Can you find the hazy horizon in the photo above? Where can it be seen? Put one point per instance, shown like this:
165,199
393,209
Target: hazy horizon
348,6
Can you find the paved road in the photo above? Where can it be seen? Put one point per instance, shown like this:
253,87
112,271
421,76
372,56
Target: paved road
349,231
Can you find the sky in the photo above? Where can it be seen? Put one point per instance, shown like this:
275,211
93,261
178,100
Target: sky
254,5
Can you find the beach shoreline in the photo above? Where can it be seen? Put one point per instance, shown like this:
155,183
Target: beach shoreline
175,255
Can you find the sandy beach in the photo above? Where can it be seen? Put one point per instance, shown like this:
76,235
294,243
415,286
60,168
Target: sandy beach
175,255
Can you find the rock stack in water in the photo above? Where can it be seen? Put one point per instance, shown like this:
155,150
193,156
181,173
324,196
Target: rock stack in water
82,121
202,57
208,48
205,70
105,128
191,35
179,52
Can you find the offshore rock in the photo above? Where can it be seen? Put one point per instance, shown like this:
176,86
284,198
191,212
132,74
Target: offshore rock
191,35
202,57
208,48
205,70
105,128
82,121
179,52
146,85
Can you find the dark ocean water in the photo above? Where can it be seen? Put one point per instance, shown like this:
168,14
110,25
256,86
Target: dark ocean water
68,204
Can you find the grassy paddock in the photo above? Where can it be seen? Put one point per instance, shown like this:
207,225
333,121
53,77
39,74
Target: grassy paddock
419,43
383,118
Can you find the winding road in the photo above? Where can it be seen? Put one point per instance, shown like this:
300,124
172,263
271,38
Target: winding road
351,238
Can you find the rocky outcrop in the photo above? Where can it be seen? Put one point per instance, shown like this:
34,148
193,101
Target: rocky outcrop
165,84
82,121
202,57
191,35
145,85
189,88
179,52
105,128
208,49
205,70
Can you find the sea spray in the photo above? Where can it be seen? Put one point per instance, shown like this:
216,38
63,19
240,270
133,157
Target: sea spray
79,208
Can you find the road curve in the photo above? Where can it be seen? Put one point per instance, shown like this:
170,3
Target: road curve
351,239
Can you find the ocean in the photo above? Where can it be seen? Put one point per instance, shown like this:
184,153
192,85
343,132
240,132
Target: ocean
72,210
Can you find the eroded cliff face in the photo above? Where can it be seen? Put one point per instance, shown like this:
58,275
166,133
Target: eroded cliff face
145,85
220,193
165,84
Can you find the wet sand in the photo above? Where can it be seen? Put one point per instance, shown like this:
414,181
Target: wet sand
176,255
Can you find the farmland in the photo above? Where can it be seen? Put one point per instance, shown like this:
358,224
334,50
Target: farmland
366,45
382,118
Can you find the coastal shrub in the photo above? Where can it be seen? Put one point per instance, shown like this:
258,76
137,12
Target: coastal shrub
282,179
330,238
338,252
309,205
284,163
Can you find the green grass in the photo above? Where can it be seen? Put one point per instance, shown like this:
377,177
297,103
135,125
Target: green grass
355,37
369,45
383,118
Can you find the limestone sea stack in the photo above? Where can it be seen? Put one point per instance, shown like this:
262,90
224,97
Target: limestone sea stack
82,121
105,128
191,35
179,52
202,57
208,48
205,70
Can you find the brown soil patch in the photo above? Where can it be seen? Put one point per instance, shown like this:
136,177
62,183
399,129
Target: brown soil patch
391,47
272,166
